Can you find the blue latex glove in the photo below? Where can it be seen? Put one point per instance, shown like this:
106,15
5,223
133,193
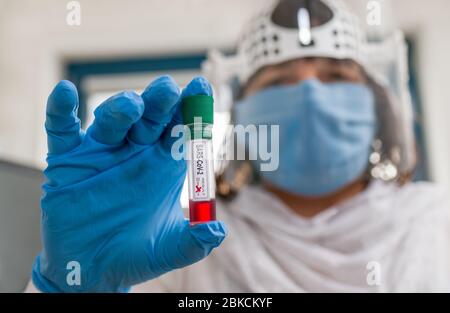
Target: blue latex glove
111,200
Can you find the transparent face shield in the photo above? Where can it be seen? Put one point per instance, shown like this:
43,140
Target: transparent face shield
294,29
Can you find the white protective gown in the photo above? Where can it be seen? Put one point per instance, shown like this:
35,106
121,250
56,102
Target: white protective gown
386,239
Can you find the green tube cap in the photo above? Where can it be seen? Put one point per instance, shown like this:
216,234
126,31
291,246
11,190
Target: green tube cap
195,109
200,106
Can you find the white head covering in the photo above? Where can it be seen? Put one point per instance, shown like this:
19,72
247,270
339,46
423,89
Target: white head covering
399,237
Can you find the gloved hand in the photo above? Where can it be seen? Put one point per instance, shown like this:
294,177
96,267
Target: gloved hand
111,199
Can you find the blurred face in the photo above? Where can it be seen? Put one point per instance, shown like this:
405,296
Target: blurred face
326,122
293,72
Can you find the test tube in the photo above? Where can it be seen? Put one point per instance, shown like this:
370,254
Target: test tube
198,117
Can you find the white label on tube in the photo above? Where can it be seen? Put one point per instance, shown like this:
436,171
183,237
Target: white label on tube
200,168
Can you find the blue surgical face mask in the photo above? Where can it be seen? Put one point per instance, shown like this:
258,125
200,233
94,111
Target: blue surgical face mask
326,132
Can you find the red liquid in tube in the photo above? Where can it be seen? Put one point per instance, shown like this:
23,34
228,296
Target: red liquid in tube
202,211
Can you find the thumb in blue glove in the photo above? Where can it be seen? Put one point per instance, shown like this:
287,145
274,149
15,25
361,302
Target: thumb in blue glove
111,200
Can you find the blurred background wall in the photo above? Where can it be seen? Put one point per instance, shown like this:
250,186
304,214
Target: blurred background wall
36,44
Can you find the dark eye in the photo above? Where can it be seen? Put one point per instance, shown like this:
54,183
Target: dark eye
272,83
338,76
335,76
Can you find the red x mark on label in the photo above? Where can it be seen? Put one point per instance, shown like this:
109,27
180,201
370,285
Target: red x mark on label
198,188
